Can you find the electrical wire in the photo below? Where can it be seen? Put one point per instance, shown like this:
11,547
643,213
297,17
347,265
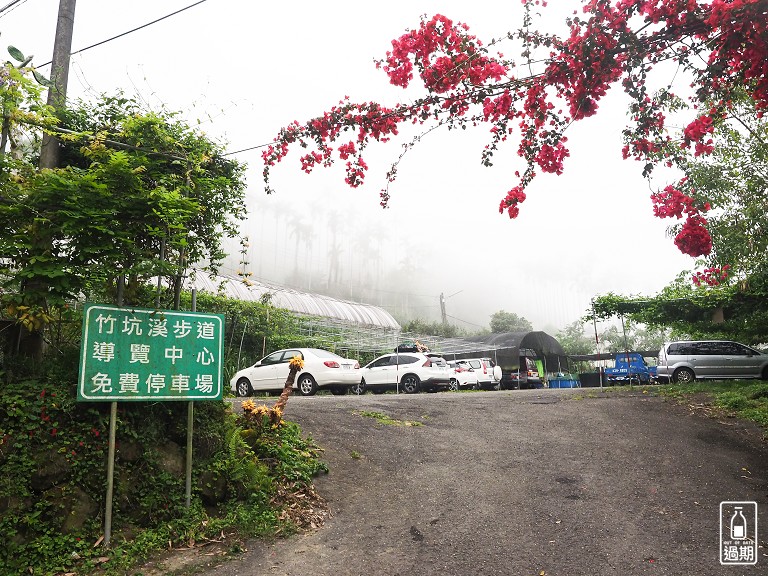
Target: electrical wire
248,149
129,31
9,5
465,321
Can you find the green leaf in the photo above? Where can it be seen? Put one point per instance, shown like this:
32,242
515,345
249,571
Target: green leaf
16,53
42,79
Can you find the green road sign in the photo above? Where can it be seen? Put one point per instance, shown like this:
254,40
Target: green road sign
131,354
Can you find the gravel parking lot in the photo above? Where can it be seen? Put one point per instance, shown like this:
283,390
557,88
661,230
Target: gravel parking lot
536,482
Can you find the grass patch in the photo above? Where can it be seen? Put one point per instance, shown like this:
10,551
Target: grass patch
747,399
387,420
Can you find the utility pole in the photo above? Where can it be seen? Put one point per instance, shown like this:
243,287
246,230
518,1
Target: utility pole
32,343
442,308
57,93
443,297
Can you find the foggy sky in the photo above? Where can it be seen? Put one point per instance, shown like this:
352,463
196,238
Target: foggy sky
243,70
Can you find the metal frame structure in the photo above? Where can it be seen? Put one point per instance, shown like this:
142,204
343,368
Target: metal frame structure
375,339
334,323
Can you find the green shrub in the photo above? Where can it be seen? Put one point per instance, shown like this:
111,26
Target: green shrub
42,425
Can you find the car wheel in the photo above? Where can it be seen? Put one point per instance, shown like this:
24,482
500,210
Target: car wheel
338,390
307,385
243,387
453,385
358,388
410,384
765,374
683,376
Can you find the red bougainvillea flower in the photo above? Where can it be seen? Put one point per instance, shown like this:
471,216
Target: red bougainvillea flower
672,203
713,276
722,45
694,238
510,203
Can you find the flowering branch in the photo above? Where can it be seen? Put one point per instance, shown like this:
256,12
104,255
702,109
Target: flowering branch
722,44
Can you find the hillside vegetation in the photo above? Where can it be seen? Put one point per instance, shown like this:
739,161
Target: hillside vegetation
252,475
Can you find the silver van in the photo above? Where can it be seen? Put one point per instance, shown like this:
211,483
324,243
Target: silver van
721,359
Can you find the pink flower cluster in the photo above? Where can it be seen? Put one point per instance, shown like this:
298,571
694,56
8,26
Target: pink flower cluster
511,200
445,55
713,276
738,32
697,130
550,158
356,172
694,238
672,203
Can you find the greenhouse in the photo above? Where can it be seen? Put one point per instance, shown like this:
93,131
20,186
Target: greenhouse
359,327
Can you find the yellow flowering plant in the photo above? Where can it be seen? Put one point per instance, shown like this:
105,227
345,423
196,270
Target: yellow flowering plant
296,363
259,416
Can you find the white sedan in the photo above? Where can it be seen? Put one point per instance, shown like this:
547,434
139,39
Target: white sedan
462,375
322,369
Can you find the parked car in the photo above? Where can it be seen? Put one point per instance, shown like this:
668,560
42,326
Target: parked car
410,373
488,373
322,370
524,375
437,359
463,375
688,360
533,378
629,367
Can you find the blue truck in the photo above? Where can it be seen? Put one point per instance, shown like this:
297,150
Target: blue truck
630,367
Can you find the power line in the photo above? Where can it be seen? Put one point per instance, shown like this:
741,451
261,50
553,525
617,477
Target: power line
9,5
248,149
465,321
129,31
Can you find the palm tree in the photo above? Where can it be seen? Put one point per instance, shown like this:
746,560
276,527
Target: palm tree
303,233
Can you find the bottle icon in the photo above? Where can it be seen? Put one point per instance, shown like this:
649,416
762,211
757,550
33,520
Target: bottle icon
738,525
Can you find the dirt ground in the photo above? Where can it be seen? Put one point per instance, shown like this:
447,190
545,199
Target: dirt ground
539,482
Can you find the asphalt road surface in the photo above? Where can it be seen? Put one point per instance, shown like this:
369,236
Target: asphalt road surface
528,483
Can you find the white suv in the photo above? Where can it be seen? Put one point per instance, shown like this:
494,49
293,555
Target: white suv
488,373
408,372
